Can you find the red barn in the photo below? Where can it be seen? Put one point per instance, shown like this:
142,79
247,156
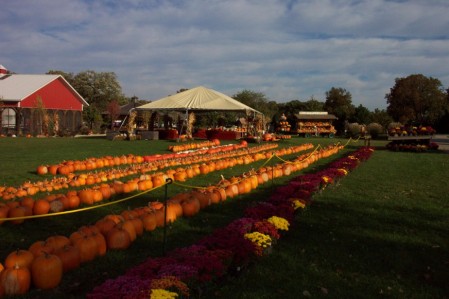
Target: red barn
39,105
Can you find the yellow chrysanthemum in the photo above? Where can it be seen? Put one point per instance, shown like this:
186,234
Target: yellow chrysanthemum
326,179
343,171
259,239
162,294
279,222
297,204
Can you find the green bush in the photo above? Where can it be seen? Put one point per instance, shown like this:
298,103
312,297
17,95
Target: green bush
374,129
354,129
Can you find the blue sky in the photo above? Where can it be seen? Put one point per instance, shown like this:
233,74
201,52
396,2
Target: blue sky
288,50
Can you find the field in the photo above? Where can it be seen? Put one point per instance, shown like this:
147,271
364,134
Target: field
381,231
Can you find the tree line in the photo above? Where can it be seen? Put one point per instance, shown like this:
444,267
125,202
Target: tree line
413,100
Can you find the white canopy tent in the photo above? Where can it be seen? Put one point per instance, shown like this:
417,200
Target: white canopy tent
198,98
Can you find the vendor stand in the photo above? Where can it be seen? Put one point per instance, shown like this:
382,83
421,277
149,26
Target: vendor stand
315,123
201,99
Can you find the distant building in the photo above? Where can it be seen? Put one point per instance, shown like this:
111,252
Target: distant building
39,105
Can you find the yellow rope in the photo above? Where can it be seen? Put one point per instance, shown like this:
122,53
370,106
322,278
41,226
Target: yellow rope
140,193
267,161
82,209
188,186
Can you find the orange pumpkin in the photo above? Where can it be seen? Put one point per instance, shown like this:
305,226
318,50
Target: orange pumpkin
57,241
129,227
41,207
27,202
86,196
102,247
42,169
46,271
105,225
17,212
39,248
69,256
190,207
15,281
4,209
87,247
19,257
118,239
149,221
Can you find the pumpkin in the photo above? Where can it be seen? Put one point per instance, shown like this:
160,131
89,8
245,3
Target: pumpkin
27,202
4,209
175,207
129,227
118,238
56,206
19,257
86,196
87,246
41,207
17,212
15,281
203,198
46,271
57,241
105,190
102,247
97,195
105,225
53,169
38,248
115,218
149,221
138,225
190,207
42,169
69,256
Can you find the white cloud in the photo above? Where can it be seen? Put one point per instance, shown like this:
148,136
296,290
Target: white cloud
287,50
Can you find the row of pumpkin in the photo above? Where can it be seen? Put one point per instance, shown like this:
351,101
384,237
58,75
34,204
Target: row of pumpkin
42,265
17,211
139,164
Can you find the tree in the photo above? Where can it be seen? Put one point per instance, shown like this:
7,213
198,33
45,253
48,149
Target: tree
313,105
361,115
381,117
256,100
93,117
67,76
417,99
98,88
339,103
113,109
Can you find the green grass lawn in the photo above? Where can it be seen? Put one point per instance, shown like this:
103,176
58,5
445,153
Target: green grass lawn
380,232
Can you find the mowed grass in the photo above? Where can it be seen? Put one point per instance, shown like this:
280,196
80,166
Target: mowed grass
382,231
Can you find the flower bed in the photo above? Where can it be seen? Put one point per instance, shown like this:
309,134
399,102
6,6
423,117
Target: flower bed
227,249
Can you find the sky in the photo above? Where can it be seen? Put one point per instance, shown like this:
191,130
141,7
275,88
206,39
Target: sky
287,50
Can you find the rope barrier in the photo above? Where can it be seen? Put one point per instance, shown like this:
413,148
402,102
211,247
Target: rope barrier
82,209
149,190
351,140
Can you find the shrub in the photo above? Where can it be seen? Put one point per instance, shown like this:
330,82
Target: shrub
354,129
374,129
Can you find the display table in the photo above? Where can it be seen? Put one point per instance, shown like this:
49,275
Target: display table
168,134
223,135
200,134
317,123
148,135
